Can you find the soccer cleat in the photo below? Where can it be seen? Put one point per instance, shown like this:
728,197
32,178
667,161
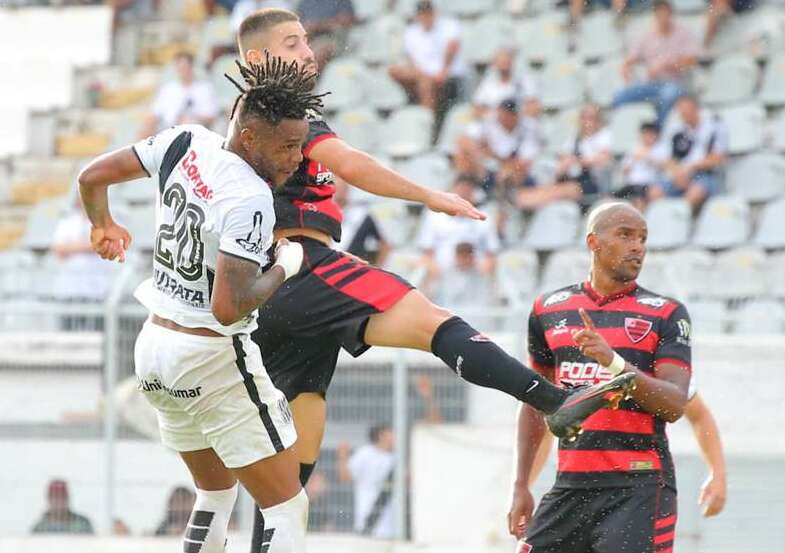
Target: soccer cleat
583,401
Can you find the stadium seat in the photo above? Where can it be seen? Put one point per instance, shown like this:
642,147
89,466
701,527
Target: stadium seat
771,227
772,91
724,222
140,222
13,139
757,177
381,41
778,132
431,169
562,85
483,37
459,116
598,36
731,80
690,270
565,267
407,132
382,92
370,9
225,92
560,129
467,8
543,169
394,221
775,274
656,274
408,264
138,192
669,221
604,80
739,273
41,221
625,122
763,316
14,264
358,127
217,31
344,78
689,6
516,273
745,125
707,316
553,226
543,39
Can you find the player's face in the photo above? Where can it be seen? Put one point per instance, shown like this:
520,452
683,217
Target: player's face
287,40
275,153
620,247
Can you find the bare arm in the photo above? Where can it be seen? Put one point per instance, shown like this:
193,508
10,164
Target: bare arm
449,56
711,161
530,432
361,170
344,474
707,434
543,452
239,288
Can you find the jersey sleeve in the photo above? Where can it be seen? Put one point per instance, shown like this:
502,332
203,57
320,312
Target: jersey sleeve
317,131
246,229
675,346
540,353
151,151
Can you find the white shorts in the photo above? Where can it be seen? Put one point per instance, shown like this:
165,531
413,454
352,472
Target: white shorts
212,392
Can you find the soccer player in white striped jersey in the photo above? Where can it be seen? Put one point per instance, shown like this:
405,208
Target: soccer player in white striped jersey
195,362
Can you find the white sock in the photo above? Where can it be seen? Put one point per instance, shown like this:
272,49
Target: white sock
285,524
209,522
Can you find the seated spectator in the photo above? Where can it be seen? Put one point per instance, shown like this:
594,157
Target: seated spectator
696,154
58,517
184,100
328,25
500,83
720,10
668,52
466,284
643,167
584,166
499,149
178,511
434,71
440,234
244,8
360,234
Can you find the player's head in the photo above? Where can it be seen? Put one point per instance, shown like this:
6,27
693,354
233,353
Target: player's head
57,495
268,124
279,33
382,437
425,14
616,236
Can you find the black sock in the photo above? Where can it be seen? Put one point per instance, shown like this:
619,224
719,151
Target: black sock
306,469
478,360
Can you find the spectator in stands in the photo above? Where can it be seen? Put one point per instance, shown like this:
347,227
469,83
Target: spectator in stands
440,235
361,235
244,8
720,10
466,284
583,170
184,100
696,154
58,517
434,70
578,7
643,167
178,511
81,276
499,149
668,52
501,83
328,25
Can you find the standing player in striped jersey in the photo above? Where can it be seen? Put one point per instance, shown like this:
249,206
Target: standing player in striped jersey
336,302
195,361
615,489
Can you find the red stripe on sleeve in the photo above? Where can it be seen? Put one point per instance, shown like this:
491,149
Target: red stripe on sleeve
310,146
619,420
589,460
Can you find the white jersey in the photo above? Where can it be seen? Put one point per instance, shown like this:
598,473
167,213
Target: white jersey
209,200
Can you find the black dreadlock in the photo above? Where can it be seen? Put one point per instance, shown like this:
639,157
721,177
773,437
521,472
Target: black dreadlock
276,90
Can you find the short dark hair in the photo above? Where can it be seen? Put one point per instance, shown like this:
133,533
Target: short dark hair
662,4
376,431
261,21
424,6
275,90
650,126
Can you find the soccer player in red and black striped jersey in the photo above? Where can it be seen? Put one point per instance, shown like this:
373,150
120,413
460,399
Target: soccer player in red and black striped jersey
339,302
615,490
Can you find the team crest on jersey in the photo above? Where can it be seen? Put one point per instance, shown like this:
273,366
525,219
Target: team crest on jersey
654,302
253,243
558,297
637,329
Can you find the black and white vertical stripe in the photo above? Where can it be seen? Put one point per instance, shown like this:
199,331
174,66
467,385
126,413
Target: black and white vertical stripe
197,530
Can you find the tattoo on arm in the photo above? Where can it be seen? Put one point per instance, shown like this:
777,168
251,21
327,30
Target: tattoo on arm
239,287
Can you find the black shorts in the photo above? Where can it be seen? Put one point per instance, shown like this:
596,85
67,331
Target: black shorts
640,519
314,314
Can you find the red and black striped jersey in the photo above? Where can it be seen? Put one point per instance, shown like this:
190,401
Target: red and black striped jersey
620,447
306,199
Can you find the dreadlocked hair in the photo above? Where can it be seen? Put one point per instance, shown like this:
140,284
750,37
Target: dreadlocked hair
276,90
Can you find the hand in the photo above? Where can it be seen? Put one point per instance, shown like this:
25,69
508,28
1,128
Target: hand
440,77
110,242
520,512
591,343
712,496
289,257
453,204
